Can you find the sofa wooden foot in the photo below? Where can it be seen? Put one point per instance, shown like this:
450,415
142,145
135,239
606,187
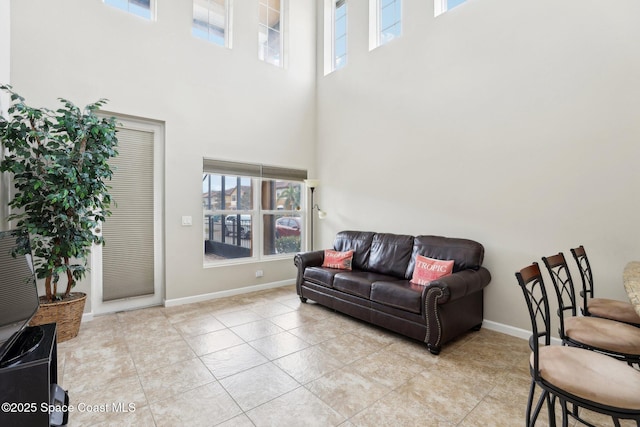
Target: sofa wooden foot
434,350
477,327
303,300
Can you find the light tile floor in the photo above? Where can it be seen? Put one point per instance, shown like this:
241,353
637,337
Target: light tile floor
265,359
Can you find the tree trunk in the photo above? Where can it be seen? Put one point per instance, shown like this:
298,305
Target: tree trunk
70,281
47,288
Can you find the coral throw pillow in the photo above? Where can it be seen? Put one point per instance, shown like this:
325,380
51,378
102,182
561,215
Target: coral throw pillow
337,259
428,269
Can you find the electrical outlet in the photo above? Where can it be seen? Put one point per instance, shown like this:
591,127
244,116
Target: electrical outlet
259,273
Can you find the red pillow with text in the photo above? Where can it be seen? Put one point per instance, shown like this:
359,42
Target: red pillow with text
337,259
428,269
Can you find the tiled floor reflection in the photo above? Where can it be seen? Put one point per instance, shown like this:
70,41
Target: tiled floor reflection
265,359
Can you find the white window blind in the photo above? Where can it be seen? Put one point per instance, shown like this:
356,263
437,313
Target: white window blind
224,167
128,254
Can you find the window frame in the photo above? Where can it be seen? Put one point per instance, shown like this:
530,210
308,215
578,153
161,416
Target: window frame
257,175
282,29
375,23
228,24
329,35
152,8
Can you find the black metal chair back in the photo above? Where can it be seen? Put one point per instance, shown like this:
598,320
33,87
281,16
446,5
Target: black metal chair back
535,294
620,311
580,255
563,285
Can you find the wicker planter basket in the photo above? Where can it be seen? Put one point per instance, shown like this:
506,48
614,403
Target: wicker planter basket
66,314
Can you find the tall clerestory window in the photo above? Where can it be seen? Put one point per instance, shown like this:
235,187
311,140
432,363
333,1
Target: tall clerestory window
141,8
441,6
340,34
270,32
390,20
211,21
385,21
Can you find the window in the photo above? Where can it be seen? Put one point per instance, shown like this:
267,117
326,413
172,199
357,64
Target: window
142,8
335,35
251,211
340,34
281,216
385,17
441,6
390,20
270,40
211,19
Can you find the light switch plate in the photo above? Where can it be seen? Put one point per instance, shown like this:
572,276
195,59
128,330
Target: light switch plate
187,220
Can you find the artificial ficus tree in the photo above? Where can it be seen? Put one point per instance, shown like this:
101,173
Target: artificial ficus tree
59,163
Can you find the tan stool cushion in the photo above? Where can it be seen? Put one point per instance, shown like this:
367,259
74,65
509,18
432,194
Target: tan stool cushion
613,309
590,375
605,334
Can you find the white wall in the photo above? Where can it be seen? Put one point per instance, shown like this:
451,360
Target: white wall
516,124
214,102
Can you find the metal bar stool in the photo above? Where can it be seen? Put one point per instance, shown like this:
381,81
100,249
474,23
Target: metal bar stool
620,311
615,339
574,376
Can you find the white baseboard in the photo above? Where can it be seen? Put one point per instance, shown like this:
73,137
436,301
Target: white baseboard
228,293
506,329
513,331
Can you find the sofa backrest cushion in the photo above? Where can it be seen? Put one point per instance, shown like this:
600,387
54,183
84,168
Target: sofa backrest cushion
390,254
465,253
357,241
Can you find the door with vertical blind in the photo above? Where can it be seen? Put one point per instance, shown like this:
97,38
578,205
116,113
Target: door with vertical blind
126,271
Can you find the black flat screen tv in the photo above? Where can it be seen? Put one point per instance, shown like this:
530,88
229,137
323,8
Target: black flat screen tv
18,292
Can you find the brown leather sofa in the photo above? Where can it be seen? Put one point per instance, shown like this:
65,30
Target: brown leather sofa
378,288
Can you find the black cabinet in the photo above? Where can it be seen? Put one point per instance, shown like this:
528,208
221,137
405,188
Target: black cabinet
29,393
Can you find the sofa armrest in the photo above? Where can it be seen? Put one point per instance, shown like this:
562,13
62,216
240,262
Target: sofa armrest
308,259
457,285
303,260
462,286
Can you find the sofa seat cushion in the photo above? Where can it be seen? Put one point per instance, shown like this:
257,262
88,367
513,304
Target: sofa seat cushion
400,294
357,282
321,275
